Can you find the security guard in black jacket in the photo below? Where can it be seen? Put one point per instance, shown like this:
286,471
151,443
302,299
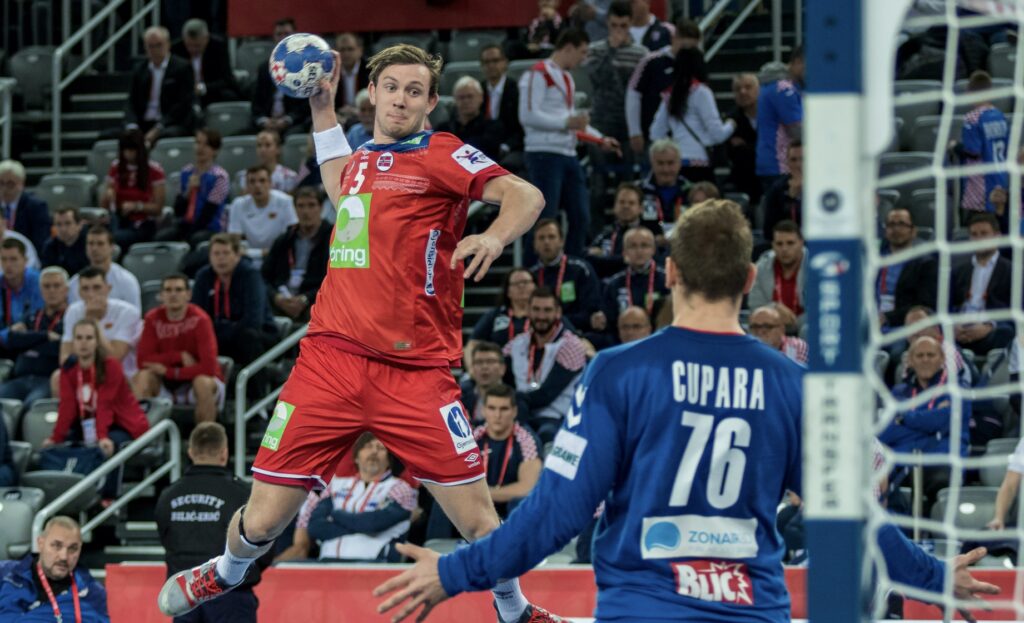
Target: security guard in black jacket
192,518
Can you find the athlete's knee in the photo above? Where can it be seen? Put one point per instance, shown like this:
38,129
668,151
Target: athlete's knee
269,511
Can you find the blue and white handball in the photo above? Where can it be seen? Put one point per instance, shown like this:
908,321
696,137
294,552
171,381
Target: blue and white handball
298,63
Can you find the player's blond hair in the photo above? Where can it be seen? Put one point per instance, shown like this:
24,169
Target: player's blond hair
405,54
711,250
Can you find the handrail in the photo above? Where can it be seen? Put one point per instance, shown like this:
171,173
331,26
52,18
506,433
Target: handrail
733,27
172,467
59,84
712,15
243,415
6,115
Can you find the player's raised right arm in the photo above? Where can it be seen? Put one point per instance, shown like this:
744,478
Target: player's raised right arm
332,148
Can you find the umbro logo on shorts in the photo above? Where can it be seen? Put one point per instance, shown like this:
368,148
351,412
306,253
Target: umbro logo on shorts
455,420
472,460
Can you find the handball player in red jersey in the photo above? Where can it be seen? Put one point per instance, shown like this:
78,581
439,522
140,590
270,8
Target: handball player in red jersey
386,327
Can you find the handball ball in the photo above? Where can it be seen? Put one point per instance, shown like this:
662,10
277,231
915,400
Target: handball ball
298,63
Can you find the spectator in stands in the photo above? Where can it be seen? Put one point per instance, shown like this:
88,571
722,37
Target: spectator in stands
121,321
984,139
502,323
701,192
192,516
552,127
690,115
355,76
486,369
511,455
605,252
767,325
782,272
651,78
297,261
361,131
50,586
268,155
67,247
271,110
780,116
177,353
543,32
35,343
571,279
501,103
590,15
160,101
980,285
262,215
784,200
641,284
232,293
1008,490
742,145
900,287
634,324
664,187
211,67
927,427
19,290
93,387
205,185
134,191
124,286
610,63
646,29
469,124
23,212
8,470
966,371
362,517
546,362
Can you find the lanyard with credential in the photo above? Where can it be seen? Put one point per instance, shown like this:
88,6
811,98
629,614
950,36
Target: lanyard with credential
561,276
649,299
53,323
87,404
512,325
504,463
53,599
931,403
216,300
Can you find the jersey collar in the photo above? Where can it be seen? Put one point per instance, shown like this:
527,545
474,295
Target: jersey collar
418,140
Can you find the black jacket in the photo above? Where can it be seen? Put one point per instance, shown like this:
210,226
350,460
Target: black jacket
277,264
918,285
741,149
362,81
263,102
32,219
70,258
36,354
247,301
580,295
216,71
997,296
480,132
508,113
176,95
192,518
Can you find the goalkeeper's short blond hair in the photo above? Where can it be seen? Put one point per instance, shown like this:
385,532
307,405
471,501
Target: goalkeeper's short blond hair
405,54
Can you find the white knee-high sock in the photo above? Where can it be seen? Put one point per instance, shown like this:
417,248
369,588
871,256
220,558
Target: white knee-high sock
510,600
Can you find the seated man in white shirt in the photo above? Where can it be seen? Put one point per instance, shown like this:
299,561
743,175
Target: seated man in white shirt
121,323
124,286
262,215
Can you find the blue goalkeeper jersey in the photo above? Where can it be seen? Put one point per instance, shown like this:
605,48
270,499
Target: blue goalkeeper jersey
692,440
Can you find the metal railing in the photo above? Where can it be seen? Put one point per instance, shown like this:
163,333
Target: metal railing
736,23
91,480
6,115
84,34
712,16
243,414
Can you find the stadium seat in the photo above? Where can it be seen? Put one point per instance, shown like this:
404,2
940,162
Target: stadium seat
173,185
92,214
229,118
293,152
892,164
157,410
30,495
75,189
237,153
150,261
54,484
101,156
909,112
16,537
465,45
741,199
997,367
974,510
888,198
174,153
453,71
150,295
922,207
227,367
253,55
11,410
992,476
38,422
517,67
425,40
1001,59
32,67
881,363
1004,104
925,132
21,454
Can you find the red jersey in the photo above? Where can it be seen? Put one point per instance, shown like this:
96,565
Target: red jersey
163,340
389,292
130,192
111,402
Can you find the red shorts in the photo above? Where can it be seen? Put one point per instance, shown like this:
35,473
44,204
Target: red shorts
333,396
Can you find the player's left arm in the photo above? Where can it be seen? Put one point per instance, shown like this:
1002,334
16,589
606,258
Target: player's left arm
520,203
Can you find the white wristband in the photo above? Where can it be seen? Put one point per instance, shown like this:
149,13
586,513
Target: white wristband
331,144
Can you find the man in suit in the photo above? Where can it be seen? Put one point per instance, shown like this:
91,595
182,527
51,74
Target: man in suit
271,110
25,214
355,76
501,101
469,124
979,285
214,80
160,101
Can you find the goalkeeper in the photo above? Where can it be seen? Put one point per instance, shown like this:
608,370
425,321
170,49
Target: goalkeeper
696,433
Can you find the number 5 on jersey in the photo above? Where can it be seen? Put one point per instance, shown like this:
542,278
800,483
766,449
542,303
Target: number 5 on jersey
728,460
359,178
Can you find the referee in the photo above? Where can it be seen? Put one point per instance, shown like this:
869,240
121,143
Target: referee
192,518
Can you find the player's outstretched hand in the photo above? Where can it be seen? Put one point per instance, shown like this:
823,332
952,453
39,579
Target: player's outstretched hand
484,249
323,99
420,585
965,586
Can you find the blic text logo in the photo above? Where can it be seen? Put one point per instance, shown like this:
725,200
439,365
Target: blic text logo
709,580
830,266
